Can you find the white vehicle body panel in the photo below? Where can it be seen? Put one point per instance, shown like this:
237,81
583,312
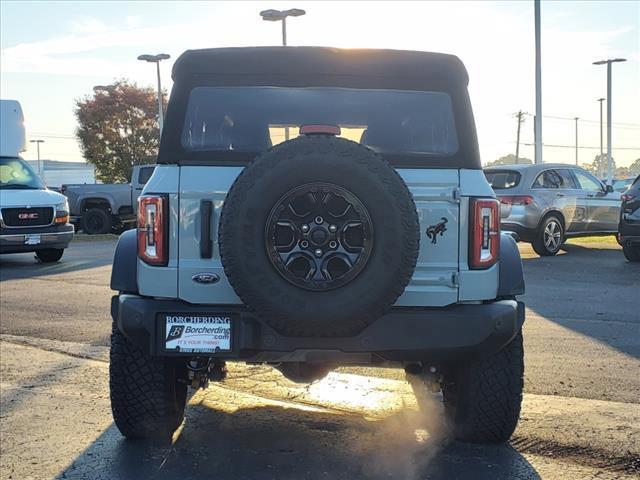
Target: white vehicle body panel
442,276
12,132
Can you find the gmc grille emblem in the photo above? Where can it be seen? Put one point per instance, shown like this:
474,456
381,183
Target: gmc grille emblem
28,216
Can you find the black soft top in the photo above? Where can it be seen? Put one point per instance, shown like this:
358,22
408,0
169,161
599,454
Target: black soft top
300,67
425,68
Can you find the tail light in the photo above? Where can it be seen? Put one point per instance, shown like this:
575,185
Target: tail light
627,197
484,234
517,200
153,229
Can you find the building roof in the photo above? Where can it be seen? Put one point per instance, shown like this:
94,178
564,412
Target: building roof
313,62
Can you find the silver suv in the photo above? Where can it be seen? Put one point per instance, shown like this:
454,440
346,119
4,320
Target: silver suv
545,204
312,208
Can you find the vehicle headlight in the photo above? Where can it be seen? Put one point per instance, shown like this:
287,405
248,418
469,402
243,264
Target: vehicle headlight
62,212
64,206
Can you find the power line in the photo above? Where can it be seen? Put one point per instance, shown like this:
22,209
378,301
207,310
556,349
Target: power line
557,117
573,146
52,135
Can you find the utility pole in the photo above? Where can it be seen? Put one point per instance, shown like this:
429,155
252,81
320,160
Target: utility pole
520,118
600,100
576,119
609,158
38,142
537,130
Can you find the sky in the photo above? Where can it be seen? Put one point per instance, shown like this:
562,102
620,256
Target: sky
55,52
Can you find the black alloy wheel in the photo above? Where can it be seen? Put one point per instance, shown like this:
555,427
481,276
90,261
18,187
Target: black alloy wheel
96,221
319,236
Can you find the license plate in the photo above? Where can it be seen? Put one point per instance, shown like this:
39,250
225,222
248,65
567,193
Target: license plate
31,239
197,333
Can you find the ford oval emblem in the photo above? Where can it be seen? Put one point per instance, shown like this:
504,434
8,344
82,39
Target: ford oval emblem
206,278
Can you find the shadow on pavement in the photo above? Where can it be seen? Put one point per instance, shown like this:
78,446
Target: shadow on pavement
274,442
79,256
592,291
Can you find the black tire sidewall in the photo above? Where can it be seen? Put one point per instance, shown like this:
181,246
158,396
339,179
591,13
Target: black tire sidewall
49,255
106,221
539,245
631,253
259,284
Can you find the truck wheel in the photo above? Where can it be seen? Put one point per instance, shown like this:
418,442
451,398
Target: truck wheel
96,221
631,253
319,236
549,237
49,255
148,394
482,397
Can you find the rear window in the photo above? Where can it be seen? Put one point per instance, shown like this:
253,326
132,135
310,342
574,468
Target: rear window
502,179
145,174
252,119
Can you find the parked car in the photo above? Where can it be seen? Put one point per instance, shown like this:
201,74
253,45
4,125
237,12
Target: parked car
629,227
32,218
547,203
103,208
369,236
621,184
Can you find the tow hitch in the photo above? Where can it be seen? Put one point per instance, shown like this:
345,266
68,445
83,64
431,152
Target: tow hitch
202,371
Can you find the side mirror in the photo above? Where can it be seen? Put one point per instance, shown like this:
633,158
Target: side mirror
608,188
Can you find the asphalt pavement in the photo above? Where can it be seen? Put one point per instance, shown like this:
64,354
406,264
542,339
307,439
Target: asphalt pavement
580,414
582,333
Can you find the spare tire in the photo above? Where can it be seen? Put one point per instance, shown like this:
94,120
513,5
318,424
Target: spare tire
319,236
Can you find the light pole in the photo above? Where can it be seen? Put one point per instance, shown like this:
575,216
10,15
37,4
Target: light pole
600,100
608,62
537,126
38,142
281,16
576,120
103,88
157,59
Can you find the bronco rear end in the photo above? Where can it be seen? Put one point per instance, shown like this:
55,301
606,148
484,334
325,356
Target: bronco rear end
313,208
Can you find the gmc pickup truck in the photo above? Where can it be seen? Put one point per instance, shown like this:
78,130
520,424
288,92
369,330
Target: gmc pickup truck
106,208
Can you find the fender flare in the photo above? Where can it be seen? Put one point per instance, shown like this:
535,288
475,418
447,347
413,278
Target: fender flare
511,278
105,197
124,274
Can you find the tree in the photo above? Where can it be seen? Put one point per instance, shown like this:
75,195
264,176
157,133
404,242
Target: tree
622,172
599,166
634,168
117,129
509,160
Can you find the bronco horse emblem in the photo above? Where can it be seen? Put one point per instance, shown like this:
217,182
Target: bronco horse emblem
438,228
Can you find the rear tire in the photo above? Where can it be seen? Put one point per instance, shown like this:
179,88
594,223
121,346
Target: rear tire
148,394
96,221
631,253
482,397
549,237
49,255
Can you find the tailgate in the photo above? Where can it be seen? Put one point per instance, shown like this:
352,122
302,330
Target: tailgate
435,192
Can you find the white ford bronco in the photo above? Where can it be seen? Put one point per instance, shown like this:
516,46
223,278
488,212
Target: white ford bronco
314,208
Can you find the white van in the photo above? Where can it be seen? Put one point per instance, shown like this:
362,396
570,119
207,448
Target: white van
32,218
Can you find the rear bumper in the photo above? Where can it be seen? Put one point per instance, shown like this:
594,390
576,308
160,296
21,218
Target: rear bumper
55,236
518,232
629,232
403,334
629,240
